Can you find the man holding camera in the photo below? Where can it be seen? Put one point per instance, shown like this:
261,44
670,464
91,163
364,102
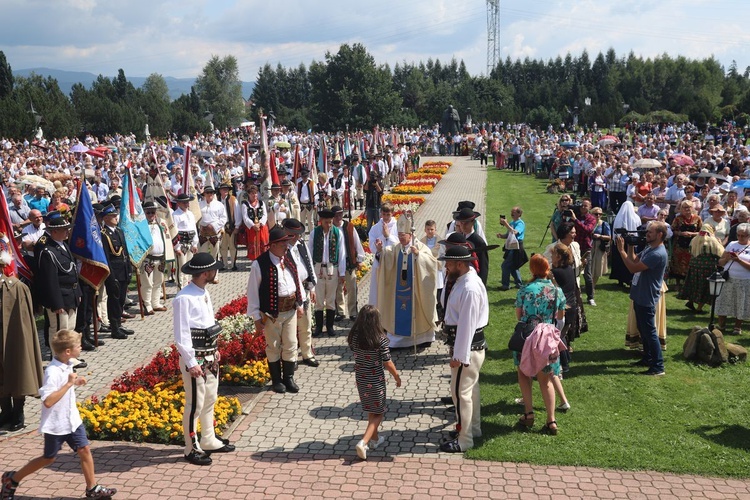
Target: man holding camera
585,225
648,272
373,193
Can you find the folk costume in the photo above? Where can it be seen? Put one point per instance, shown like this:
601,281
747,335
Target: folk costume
359,175
306,194
329,260
152,268
186,241
407,288
478,243
274,292
113,241
346,303
303,261
255,217
228,247
56,279
466,316
196,337
211,228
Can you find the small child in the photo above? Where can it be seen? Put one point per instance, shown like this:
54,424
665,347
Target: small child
61,422
368,341
431,240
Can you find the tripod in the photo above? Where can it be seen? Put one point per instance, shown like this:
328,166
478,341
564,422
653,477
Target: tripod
547,228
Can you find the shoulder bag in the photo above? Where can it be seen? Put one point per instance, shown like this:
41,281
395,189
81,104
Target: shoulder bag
524,328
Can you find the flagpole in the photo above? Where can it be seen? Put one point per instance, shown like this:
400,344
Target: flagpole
140,295
95,323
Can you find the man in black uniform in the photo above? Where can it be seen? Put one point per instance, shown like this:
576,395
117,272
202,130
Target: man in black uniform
465,224
113,241
56,280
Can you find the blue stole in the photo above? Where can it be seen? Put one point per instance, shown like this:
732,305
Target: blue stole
404,296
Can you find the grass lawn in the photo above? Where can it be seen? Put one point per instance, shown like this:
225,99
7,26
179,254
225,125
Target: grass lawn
693,420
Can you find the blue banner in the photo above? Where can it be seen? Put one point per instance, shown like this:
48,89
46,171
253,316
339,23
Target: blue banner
86,242
133,222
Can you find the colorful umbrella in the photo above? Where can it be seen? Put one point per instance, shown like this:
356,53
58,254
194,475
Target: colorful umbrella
683,160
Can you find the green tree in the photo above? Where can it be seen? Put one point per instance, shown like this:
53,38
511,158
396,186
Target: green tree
353,90
220,91
6,77
155,104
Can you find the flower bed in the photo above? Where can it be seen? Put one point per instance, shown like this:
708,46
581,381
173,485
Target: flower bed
413,188
146,405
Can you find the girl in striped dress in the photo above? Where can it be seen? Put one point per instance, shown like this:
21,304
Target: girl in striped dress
369,343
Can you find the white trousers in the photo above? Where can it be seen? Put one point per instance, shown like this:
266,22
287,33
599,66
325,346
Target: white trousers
151,287
200,397
62,321
325,288
183,279
281,337
465,393
346,303
228,249
304,333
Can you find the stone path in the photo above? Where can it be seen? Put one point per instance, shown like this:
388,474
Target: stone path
302,445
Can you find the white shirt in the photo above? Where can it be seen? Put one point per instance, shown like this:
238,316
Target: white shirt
185,221
156,235
192,308
467,309
286,285
357,244
213,214
325,257
32,234
63,417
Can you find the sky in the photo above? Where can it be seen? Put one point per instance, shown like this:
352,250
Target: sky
177,37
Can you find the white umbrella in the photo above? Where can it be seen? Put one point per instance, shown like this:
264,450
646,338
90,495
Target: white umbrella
646,163
78,148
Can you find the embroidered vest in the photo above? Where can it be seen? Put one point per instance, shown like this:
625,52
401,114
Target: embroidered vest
269,283
305,256
254,213
310,185
333,245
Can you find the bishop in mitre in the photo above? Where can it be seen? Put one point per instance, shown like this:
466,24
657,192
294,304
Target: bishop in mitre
407,286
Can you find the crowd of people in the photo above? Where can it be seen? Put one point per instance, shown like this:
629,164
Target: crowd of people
676,216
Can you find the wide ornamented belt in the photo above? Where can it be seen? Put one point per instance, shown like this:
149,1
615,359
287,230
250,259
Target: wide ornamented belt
478,342
287,303
205,340
186,236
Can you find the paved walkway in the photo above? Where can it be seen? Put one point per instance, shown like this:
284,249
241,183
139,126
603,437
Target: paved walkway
302,445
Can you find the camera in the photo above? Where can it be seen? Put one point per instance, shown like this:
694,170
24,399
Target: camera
502,217
632,238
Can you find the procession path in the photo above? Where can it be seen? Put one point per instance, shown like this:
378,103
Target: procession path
302,445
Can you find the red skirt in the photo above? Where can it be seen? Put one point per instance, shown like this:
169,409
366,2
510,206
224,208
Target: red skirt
257,241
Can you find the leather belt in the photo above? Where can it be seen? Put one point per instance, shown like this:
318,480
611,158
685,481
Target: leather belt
287,303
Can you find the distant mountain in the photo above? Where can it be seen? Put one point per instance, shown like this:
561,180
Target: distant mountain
66,80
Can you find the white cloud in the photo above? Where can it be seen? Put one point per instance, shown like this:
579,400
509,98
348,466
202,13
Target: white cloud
176,37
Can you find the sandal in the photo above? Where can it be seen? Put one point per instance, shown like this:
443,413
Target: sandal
527,420
451,447
548,429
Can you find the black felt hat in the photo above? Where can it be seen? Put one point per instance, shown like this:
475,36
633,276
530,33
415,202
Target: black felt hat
453,239
277,235
293,226
457,252
201,263
184,197
465,214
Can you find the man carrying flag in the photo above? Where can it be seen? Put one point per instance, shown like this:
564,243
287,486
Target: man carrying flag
113,240
86,246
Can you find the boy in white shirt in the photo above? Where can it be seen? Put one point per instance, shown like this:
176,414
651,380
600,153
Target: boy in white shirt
61,422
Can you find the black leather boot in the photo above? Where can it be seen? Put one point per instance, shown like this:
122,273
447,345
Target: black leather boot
6,410
87,343
330,317
276,384
17,417
318,324
289,383
116,333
